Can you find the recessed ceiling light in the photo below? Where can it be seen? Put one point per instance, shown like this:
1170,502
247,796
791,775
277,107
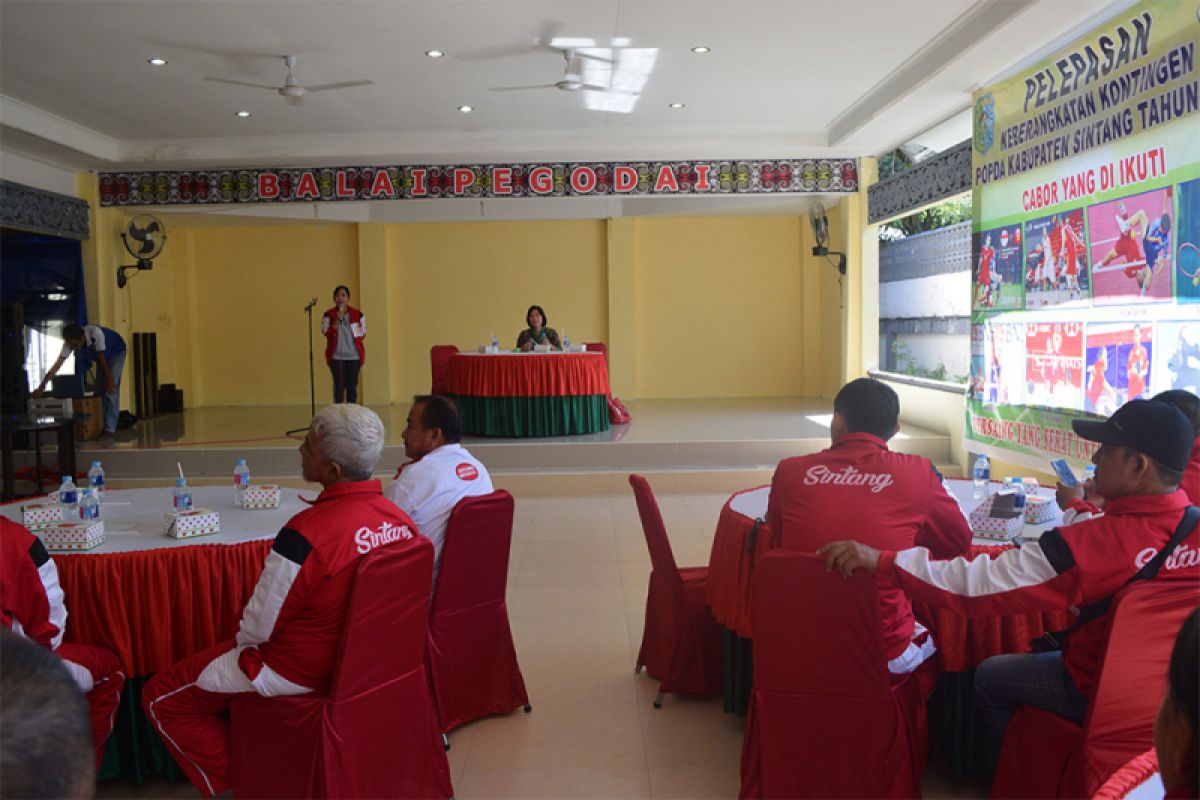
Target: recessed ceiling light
702,49
676,105
156,61
434,53
243,114
466,109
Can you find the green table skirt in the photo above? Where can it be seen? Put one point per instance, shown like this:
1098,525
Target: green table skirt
135,751
560,415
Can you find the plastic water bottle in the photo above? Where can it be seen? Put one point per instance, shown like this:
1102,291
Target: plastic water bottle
1018,488
495,343
982,474
68,498
566,343
183,495
89,506
241,480
96,480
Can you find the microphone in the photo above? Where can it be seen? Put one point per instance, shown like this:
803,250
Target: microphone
311,303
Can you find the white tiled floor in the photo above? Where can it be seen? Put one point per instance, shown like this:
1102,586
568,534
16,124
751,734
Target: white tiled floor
577,590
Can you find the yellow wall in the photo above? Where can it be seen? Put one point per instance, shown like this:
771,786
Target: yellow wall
248,289
721,307
690,307
456,283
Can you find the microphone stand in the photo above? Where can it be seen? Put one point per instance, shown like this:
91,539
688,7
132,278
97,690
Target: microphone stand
312,384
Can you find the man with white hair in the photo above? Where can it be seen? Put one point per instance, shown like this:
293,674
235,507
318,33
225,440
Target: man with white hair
287,639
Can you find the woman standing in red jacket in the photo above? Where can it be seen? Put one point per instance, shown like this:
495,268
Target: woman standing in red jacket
344,327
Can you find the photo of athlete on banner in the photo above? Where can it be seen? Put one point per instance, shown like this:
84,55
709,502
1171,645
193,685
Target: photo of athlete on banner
997,363
1054,364
1131,248
1187,259
1119,358
998,283
1056,261
1178,362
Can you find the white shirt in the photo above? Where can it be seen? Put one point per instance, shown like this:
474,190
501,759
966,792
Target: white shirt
93,336
429,489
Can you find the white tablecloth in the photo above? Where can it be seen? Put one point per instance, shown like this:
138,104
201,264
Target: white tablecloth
133,518
753,504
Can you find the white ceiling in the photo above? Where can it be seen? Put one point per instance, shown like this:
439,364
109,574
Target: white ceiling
785,78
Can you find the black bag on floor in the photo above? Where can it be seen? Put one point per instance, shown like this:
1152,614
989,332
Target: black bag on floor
126,420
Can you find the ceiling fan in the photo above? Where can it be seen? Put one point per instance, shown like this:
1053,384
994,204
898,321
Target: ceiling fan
572,80
292,90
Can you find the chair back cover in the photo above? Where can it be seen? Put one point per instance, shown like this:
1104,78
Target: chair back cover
386,620
1120,718
1047,756
597,347
824,719
472,659
439,360
375,734
661,557
475,553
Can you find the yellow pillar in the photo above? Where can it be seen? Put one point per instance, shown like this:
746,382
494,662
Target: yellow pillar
375,289
622,307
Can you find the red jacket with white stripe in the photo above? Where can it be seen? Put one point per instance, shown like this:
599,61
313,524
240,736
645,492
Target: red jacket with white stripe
358,329
295,617
859,489
31,601
1069,566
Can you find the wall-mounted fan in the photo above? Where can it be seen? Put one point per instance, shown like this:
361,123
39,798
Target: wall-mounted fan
820,226
144,237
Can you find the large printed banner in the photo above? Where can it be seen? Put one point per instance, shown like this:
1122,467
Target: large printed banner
477,181
1086,291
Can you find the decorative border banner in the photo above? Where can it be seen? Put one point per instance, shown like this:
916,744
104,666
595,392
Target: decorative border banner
480,181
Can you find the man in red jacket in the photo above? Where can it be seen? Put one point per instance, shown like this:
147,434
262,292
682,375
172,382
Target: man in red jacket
289,632
1189,404
1144,450
858,487
32,604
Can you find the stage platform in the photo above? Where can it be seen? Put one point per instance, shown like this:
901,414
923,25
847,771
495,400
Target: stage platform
689,445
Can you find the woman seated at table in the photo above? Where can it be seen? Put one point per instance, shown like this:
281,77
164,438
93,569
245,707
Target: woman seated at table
537,334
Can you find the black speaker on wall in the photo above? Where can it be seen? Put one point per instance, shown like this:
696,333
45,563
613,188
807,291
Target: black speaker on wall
145,374
14,384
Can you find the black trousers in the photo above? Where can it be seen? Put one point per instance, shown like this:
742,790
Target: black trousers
345,381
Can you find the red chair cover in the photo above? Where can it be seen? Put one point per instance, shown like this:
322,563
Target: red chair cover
825,719
375,734
439,360
1135,772
681,643
472,660
1047,756
597,347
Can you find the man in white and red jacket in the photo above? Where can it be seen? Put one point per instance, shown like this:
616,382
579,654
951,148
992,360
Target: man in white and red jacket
1144,450
289,632
32,604
858,487
440,473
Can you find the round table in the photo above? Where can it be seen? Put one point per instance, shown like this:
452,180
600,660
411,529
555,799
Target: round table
741,539
154,600
530,394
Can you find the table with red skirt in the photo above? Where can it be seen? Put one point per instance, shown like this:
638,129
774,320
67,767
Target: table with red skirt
742,537
530,394
154,600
